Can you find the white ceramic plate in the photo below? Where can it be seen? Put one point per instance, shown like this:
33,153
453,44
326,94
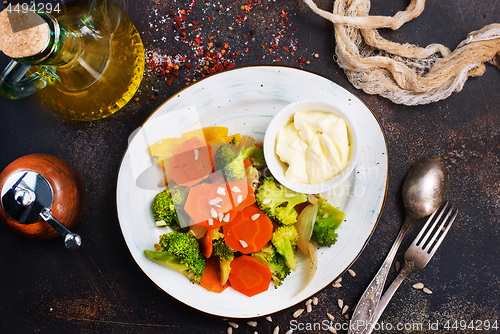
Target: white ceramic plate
245,100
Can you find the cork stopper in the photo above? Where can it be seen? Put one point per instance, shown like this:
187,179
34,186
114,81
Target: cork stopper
23,34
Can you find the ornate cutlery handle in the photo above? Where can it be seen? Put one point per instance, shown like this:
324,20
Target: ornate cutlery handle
363,313
384,301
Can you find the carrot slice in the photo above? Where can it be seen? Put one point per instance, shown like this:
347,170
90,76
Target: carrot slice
250,230
208,205
242,194
191,163
206,245
210,279
197,206
249,276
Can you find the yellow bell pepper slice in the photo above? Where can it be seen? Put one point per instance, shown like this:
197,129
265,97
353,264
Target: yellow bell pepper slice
211,134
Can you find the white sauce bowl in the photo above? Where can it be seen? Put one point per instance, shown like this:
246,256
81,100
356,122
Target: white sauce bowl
283,117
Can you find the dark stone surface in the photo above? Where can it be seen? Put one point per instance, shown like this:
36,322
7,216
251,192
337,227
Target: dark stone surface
99,288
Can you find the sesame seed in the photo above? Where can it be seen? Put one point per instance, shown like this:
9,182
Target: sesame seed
315,301
235,189
332,330
309,308
215,201
339,280
239,199
255,216
226,218
427,291
330,316
337,285
233,324
213,213
297,313
196,154
268,318
340,302
290,331
266,201
252,323
276,330
397,265
221,191
289,195
351,272
210,221
344,309
230,330
221,216
161,223
243,244
418,286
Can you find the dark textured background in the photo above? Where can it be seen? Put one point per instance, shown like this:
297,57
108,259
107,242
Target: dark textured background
99,288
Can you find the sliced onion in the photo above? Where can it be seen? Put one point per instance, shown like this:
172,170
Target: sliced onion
246,141
305,225
313,267
197,231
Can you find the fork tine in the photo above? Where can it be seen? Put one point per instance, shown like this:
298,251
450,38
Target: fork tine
434,233
421,238
452,219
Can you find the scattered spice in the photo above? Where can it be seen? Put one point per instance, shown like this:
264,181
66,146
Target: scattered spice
201,38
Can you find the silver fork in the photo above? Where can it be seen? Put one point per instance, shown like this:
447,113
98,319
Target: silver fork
419,253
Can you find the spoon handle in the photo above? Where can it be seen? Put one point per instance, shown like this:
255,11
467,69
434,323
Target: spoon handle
364,311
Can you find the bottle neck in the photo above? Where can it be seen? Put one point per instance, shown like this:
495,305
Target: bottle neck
63,46
102,16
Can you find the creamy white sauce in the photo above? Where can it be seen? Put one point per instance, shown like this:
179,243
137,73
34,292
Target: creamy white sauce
314,145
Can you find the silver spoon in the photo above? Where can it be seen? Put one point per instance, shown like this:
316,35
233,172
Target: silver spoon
424,189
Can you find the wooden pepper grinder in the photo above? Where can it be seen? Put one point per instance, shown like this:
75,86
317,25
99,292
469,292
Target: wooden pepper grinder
42,196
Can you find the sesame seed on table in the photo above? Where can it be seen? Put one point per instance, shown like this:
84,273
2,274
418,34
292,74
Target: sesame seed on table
99,288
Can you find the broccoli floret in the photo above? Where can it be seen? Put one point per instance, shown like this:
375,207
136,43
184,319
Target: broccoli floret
278,202
235,141
164,209
258,160
225,255
275,261
327,221
285,240
230,159
180,252
179,196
